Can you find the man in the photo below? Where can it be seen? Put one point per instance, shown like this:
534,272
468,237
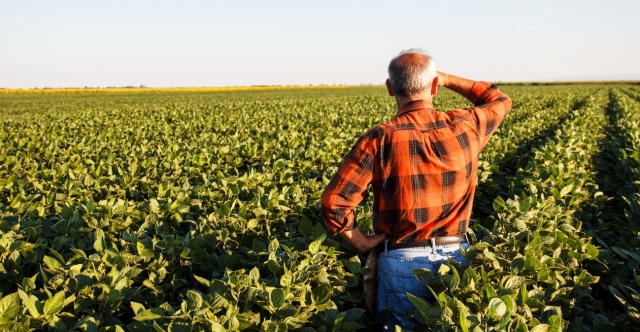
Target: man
422,166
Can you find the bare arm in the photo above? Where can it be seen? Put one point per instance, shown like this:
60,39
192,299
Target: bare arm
361,241
458,84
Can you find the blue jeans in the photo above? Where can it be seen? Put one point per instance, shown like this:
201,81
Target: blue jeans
395,279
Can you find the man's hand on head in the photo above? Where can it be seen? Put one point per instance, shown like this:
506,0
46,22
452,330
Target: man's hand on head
460,85
360,241
442,78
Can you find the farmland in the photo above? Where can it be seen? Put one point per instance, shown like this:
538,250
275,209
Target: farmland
199,210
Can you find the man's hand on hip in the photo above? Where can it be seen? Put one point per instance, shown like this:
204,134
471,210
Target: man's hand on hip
361,241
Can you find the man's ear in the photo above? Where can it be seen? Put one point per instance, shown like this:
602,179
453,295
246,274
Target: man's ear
389,90
434,86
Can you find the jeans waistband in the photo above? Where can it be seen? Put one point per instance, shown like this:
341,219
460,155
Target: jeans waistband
445,241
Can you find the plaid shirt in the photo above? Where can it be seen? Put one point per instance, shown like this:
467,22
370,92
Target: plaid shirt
422,165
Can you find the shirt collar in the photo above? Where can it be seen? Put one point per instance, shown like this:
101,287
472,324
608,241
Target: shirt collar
412,106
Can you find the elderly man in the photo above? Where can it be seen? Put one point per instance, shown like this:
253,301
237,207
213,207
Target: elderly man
422,166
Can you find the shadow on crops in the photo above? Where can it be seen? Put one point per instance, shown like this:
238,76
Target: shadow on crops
610,174
498,183
608,222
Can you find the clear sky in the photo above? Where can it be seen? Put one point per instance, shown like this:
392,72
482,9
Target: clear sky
230,43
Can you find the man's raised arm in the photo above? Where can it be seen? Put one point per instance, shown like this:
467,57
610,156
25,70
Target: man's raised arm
491,104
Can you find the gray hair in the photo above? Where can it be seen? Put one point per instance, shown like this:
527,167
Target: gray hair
411,72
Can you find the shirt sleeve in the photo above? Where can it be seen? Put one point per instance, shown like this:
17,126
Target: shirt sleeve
347,188
491,106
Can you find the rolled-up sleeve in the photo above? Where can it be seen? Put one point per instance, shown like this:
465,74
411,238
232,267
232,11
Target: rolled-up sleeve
346,189
491,106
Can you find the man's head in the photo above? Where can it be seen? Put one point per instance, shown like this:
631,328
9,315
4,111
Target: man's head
412,73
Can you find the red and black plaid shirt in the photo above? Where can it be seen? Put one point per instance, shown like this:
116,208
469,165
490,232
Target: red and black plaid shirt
422,166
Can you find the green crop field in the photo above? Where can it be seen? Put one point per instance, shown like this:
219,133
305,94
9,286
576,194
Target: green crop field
190,211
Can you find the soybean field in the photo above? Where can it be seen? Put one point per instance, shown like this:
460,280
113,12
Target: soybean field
199,211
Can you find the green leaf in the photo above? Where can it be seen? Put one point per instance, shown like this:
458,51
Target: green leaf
321,294
51,262
286,280
422,272
196,298
259,246
566,190
489,292
531,264
522,327
202,280
523,206
137,307
274,326
483,276
54,305
455,280
591,250
496,308
274,245
421,305
318,231
149,314
632,255
29,284
305,227
543,273
254,274
314,247
10,306
524,295
99,244
144,251
277,297
353,314
555,324
514,282
498,204
618,295
354,265
32,303
179,326
620,252
463,322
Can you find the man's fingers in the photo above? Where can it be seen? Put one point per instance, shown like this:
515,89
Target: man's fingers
441,78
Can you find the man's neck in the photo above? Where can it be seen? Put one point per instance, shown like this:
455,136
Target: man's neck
426,98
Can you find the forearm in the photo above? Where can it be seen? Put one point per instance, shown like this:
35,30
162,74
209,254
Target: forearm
361,241
460,85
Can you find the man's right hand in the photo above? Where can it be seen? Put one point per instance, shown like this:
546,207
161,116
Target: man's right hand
458,84
442,78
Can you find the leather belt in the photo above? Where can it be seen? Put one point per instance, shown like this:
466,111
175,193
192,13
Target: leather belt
436,241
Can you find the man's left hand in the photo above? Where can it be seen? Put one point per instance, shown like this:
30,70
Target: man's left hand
361,241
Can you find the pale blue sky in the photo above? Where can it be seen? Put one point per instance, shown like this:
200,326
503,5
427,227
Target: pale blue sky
229,43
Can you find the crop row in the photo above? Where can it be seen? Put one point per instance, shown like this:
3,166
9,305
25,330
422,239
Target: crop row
615,225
